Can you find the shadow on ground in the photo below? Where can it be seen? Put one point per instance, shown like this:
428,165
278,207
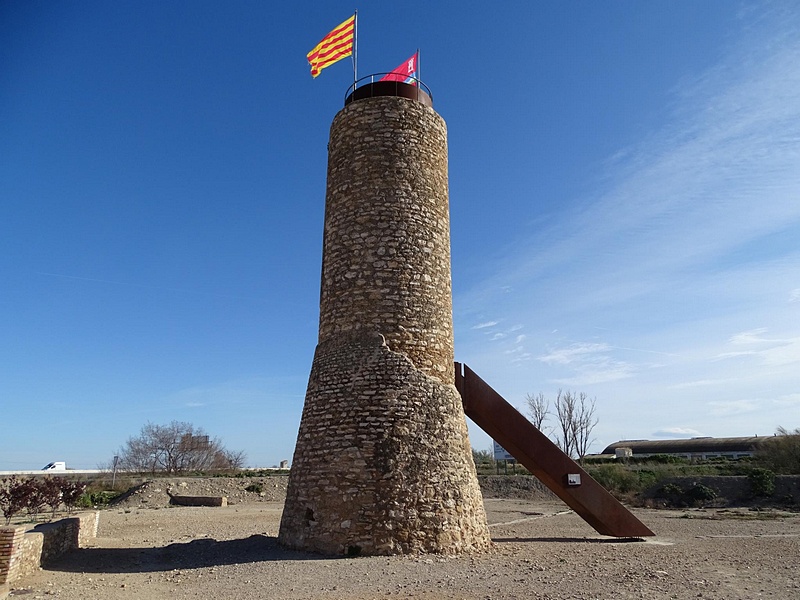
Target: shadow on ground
570,540
196,554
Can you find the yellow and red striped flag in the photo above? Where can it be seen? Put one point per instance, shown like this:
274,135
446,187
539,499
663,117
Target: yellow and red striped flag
338,44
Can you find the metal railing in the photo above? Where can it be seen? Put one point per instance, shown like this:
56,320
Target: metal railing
423,92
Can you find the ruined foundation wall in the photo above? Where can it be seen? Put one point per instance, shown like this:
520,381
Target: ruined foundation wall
383,463
23,551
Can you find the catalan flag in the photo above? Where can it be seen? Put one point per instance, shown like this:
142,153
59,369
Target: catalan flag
338,44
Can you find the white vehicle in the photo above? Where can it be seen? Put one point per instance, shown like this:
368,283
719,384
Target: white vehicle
55,466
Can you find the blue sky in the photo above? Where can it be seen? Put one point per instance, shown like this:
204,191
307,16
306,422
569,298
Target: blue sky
625,199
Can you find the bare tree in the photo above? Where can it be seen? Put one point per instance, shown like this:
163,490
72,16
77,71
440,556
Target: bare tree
583,424
538,409
576,421
229,460
176,448
565,414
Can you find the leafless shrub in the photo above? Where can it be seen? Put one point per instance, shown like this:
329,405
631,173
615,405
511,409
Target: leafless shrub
575,420
176,448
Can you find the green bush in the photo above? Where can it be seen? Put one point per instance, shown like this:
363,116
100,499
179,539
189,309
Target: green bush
700,494
697,495
781,453
660,459
100,498
647,479
670,490
616,478
256,488
762,482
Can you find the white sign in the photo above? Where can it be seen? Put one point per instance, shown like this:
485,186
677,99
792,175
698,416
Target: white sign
500,453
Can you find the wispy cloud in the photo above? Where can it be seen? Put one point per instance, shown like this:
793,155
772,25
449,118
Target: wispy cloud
518,354
588,364
597,374
748,337
768,350
687,250
484,325
573,353
677,432
789,400
699,383
721,175
723,408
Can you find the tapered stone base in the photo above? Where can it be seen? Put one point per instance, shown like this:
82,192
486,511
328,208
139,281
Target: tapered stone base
383,463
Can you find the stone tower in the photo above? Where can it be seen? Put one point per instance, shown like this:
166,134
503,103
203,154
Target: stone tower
383,463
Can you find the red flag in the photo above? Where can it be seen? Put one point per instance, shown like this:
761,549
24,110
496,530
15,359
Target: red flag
406,72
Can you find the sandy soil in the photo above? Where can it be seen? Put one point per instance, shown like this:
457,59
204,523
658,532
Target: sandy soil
541,550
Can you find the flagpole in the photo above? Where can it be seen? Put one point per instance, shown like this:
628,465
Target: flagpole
355,50
418,82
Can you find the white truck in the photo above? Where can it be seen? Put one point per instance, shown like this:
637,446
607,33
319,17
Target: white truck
55,466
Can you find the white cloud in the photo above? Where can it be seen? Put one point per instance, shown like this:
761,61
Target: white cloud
521,357
515,350
787,353
770,351
789,400
572,353
699,383
485,325
721,408
677,432
748,337
587,363
597,374
686,247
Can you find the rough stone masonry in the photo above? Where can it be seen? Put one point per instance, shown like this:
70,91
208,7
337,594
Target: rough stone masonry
383,463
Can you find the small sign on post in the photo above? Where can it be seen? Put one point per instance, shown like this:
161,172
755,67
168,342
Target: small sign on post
501,453
114,472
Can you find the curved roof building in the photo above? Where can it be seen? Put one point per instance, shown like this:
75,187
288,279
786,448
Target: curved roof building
700,447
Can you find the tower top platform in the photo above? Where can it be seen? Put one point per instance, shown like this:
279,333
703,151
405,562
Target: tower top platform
371,86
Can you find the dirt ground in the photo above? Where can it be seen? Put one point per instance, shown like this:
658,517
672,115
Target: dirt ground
541,550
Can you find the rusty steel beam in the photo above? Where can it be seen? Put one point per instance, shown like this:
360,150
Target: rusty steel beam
565,478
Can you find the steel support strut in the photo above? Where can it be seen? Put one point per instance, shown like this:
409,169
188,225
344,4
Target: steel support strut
565,478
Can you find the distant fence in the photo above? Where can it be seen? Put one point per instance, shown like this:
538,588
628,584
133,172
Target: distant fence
67,472
119,472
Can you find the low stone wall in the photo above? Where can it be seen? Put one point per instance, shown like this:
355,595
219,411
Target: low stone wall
736,490
199,500
526,487
24,550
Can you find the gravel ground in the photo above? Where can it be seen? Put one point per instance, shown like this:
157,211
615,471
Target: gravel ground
541,550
